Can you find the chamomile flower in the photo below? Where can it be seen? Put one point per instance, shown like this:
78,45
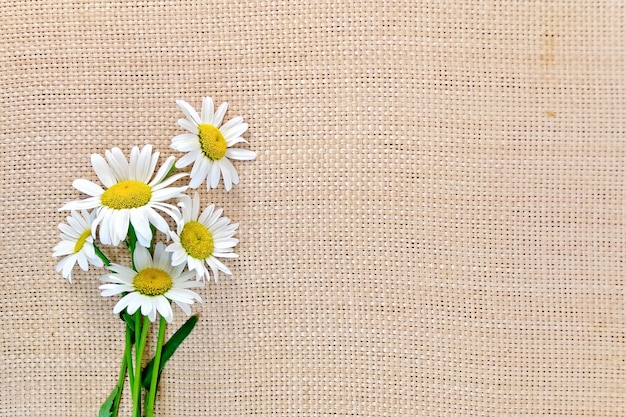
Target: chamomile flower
209,145
153,286
76,244
200,240
130,197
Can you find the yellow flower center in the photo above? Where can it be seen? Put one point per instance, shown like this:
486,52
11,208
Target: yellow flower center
127,194
212,142
81,240
197,240
152,281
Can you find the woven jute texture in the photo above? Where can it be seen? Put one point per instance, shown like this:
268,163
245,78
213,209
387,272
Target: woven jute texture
434,225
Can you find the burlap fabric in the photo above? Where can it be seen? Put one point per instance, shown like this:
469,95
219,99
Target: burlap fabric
434,225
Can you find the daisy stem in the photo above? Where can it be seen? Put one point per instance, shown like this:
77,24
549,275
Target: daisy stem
120,381
102,255
128,358
155,369
139,348
132,243
153,229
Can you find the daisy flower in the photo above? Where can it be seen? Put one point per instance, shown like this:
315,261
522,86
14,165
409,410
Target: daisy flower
209,145
76,244
130,197
202,239
153,286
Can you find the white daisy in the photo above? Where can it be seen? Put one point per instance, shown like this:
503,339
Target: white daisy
209,145
76,244
202,239
130,197
151,288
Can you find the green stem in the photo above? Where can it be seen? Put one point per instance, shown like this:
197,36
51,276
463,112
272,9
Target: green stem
102,255
139,348
120,383
155,369
132,244
128,357
153,241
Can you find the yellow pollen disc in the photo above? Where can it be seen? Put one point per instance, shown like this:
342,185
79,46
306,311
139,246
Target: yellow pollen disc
152,281
212,142
127,194
197,240
81,240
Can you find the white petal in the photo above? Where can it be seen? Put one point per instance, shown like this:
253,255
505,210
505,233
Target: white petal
226,164
167,209
95,261
170,180
186,142
186,203
195,206
188,111
118,224
215,175
214,270
147,307
118,163
114,289
105,236
226,243
234,131
144,168
199,172
240,154
229,124
88,187
187,125
139,220
142,258
179,256
163,171
213,262
229,255
158,221
137,161
130,301
207,110
188,158
219,114
184,306
76,225
235,140
164,308
227,173
159,196
69,232
213,218
82,261
206,215
88,203
103,171
64,248
183,294
66,265
161,259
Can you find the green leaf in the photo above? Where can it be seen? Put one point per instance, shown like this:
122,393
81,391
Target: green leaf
105,410
168,350
132,240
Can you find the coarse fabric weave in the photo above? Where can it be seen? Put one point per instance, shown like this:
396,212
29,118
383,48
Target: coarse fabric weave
434,225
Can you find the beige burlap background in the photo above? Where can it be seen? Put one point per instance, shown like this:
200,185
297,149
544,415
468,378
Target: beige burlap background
434,226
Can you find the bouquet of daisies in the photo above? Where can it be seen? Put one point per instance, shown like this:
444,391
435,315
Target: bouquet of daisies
129,206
